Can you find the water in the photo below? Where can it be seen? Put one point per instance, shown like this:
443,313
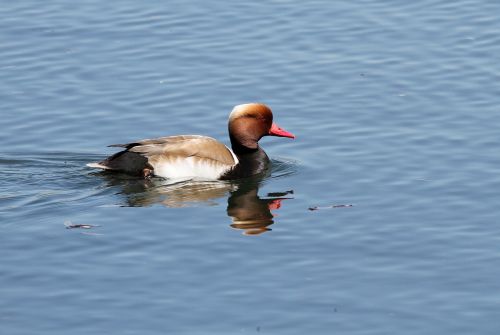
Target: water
395,108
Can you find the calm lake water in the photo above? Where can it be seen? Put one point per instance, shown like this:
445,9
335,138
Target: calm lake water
395,106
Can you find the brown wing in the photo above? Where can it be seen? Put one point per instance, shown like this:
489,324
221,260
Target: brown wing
159,140
183,146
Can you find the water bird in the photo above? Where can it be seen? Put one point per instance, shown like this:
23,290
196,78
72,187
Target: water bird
196,156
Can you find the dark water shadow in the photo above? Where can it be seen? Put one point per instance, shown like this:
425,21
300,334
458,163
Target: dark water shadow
250,212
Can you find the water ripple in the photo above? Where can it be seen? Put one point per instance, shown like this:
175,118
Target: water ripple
395,108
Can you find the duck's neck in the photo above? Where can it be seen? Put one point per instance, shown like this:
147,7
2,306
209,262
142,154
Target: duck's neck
251,161
241,146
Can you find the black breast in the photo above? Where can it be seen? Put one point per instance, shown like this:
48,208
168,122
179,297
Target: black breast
250,163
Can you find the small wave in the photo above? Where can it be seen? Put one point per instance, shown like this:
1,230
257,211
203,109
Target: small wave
283,167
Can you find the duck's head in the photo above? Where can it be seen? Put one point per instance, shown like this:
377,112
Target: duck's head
248,123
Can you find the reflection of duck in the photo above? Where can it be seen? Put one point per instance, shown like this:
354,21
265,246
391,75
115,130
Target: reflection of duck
247,210
251,213
201,156
179,194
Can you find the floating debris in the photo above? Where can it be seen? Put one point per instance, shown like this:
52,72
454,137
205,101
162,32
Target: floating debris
315,208
279,194
70,225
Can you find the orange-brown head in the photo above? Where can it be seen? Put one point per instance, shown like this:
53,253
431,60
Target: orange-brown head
248,123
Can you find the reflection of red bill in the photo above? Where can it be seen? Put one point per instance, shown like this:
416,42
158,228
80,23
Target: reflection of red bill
274,204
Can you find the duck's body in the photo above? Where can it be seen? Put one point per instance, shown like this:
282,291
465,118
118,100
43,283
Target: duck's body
172,157
195,156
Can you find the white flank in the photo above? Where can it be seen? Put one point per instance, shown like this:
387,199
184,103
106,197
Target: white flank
185,167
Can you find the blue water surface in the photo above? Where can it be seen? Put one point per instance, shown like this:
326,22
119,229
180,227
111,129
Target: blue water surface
395,106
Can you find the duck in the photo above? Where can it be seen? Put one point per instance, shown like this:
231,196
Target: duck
203,157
